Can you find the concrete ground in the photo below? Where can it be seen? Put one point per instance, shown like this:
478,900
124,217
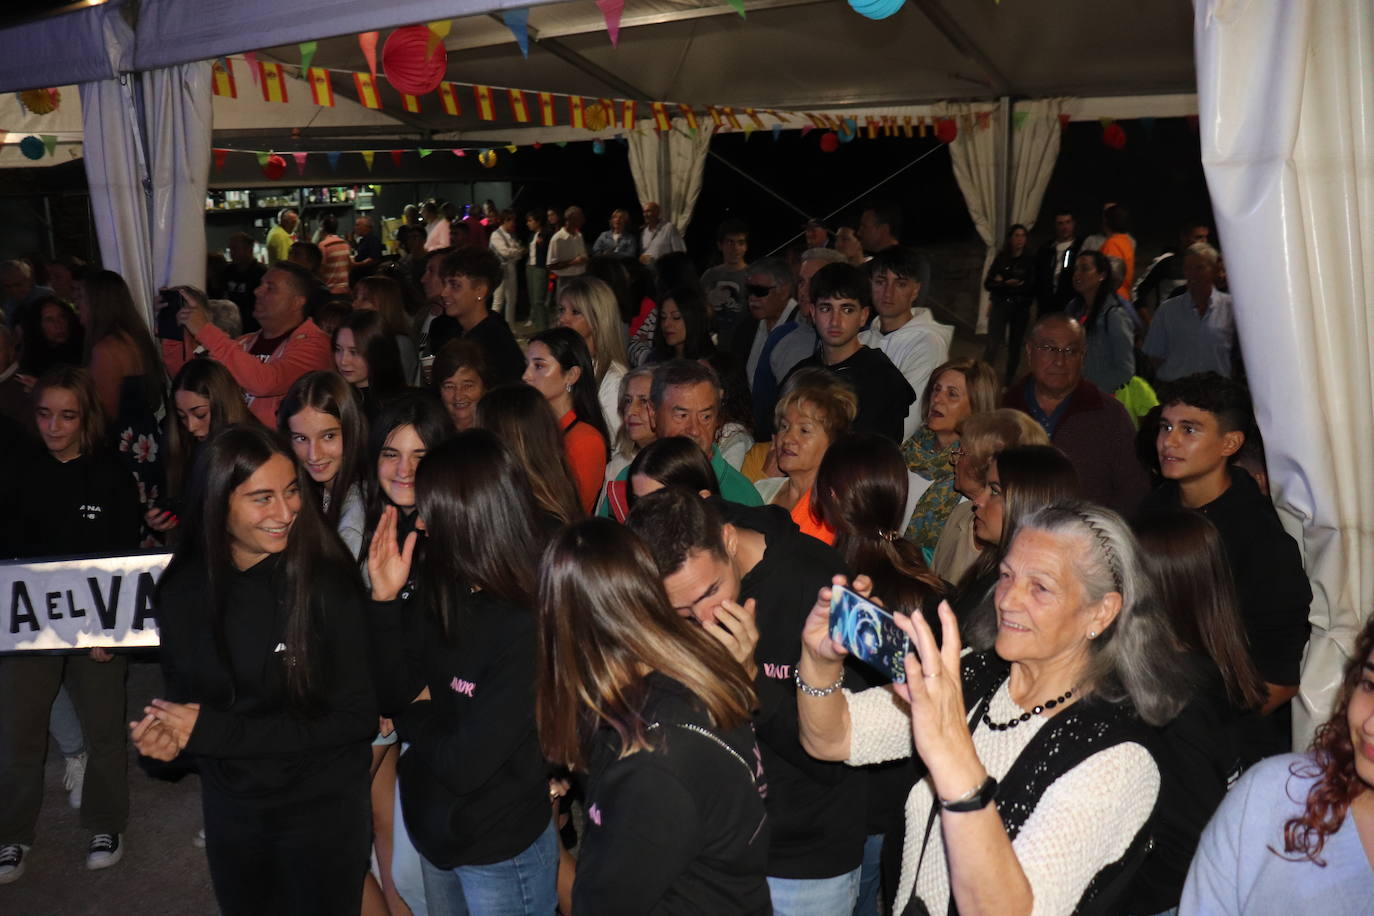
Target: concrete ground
161,873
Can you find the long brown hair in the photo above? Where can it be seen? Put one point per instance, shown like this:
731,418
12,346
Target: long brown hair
604,624
111,309
1333,763
1184,557
388,296
328,393
521,418
208,379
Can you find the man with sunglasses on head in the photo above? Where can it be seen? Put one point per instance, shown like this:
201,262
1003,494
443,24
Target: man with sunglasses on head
1084,422
771,316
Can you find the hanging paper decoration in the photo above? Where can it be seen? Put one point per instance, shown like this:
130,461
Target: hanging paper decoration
737,6
576,112
41,101
753,116
661,122
847,132
263,156
222,78
367,91
368,156
518,21
273,82
749,131
487,157
425,152
308,49
598,147
300,162
460,153
396,155
274,168
946,130
983,118
830,141
368,42
485,111
907,129
333,159
689,115
410,103
1063,121
807,128
438,31
876,9
627,111
321,89
612,10
251,59
518,109
32,148
597,117
777,132
220,155
408,67
511,147
1018,119
537,144
730,117
448,97
1114,136
546,115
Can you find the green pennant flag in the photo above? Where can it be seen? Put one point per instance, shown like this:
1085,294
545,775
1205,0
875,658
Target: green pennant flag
262,158
49,143
308,49
1018,119
737,6
425,152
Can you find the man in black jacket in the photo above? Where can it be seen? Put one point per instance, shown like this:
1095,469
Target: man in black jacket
1054,265
731,568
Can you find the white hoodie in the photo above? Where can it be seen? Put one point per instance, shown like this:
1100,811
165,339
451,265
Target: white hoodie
915,348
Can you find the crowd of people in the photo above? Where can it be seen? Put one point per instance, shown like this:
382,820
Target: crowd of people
474,614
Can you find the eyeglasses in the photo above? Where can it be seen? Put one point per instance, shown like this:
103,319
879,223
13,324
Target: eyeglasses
758,291
1052,352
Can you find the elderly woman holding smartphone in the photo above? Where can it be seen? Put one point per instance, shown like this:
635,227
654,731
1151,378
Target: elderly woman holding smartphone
1044,790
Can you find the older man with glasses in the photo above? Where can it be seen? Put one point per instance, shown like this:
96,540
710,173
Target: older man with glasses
1084,422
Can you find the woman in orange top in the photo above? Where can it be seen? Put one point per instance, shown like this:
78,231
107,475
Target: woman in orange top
559,366
814,410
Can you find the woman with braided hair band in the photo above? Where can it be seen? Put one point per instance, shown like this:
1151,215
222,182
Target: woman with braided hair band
1036,750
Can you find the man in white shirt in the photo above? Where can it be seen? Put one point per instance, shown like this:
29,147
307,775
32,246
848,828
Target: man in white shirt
911,337
508,249
658,237
436,227
1194,331
567,248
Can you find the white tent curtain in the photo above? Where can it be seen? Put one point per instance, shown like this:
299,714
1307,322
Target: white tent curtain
681,186
974,154
1035,150
1288,152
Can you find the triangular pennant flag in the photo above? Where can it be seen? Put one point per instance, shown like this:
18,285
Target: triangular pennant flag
262,158
460,153
251,58
220,156
1018,119
612,10
518,21
425,152
368,42
300,162
737,6
333,160
396,155
438,31
777,132
807,128
748,130
510,148
368,156
308,49
1063,121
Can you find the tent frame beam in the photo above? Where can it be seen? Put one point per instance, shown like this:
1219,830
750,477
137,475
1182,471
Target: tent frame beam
962,42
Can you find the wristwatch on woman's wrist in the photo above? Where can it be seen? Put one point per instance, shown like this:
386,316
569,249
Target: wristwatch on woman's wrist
973,800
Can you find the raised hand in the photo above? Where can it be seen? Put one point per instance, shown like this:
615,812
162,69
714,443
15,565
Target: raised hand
388,566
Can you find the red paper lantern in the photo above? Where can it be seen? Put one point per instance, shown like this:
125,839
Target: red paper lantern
275,167
830,141
946,129
1114,136
409,64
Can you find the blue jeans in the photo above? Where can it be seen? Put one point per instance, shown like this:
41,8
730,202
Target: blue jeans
526,885
814,896
871,879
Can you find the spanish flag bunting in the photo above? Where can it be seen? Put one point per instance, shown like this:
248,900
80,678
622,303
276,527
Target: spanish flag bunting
410,103
546,109
754,116
921,125
715,116
782,116
273,82
661,122
730,117
448,95
368,156
627,111
320,87
224,78
367,93
906,126
518,109
983,118
871,128
815,119
575,111
610,111
689,115
484,106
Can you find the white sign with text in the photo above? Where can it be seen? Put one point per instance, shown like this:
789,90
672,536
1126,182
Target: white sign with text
77,604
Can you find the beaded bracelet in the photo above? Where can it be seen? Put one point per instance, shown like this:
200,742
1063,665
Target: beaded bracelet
815,691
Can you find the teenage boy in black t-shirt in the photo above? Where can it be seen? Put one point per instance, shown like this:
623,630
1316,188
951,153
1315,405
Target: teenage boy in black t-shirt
1204,420
734,569
843,300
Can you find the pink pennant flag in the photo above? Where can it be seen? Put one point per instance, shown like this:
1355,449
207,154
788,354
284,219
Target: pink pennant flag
300,162
251,57
368,42
807,128
611,9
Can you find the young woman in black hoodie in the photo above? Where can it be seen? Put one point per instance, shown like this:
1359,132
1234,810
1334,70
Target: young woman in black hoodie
264,651
656,713
474,786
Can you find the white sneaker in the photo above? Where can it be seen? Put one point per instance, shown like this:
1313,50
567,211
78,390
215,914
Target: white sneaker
105,850
75,778
12,862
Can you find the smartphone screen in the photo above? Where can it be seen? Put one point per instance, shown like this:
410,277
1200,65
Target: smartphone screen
868,632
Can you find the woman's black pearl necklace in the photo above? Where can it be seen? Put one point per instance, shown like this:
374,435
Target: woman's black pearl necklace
1025,716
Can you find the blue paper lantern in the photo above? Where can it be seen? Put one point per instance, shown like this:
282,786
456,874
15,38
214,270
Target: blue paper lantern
848,130
598,147
876,9
32,147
